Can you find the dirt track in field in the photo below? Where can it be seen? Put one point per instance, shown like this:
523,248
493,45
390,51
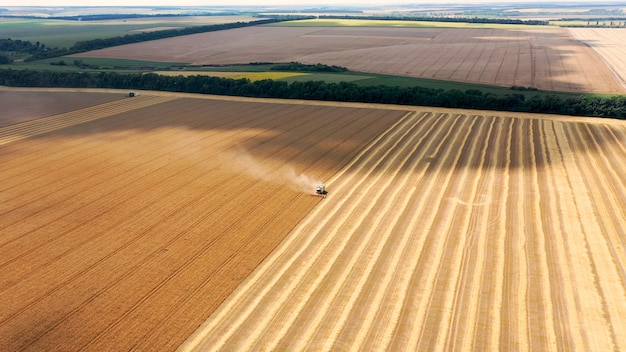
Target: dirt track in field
450,232
547,59
126,231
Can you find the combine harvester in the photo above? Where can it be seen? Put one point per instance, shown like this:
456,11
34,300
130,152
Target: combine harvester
320,191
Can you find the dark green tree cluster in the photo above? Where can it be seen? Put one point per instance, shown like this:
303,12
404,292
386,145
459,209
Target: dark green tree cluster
21,48
111,16
317,90
300,67
441,19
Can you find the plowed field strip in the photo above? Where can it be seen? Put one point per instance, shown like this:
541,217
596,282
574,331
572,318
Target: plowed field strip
608,43
34,127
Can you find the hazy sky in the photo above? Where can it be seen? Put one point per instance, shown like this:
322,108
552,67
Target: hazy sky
149,3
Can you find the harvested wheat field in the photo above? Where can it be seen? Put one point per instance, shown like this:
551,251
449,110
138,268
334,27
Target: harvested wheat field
610,44
451,231
549,59
184,221
125,224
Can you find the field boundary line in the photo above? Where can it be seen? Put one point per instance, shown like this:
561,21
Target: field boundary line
43,125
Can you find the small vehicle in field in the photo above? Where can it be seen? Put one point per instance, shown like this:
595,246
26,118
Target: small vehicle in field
320,191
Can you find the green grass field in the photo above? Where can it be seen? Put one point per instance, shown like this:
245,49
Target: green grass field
98,64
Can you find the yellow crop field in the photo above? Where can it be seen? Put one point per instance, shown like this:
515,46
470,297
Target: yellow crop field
178,221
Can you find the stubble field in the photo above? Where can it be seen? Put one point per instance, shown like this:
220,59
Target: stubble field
546,58
451,231
610,44
126,224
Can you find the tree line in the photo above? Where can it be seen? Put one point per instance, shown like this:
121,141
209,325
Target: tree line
10,48
580,105
38,51
300,67
440,19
